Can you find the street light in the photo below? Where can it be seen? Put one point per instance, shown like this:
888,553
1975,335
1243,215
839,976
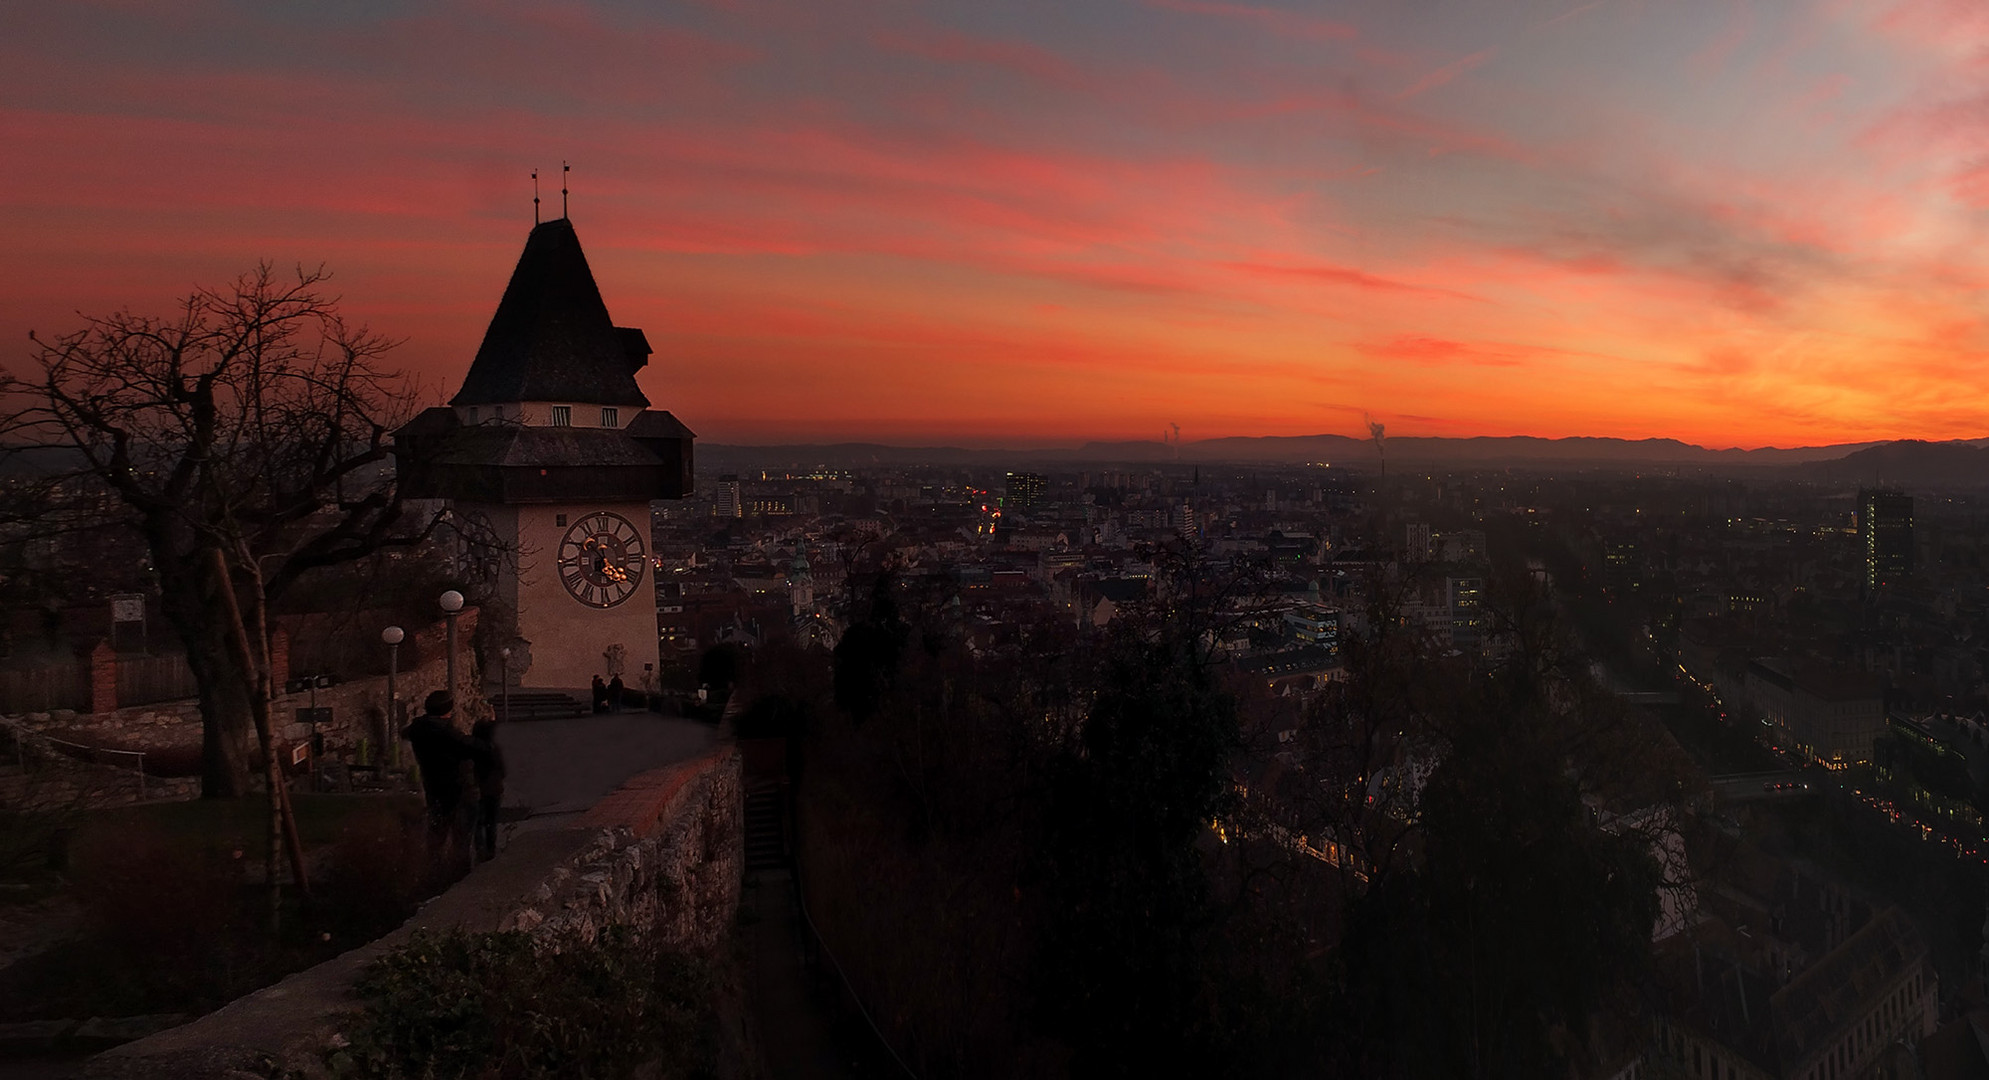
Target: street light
452,602
504,681
393,635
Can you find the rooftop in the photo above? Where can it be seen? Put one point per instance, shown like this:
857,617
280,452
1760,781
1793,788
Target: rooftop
551,338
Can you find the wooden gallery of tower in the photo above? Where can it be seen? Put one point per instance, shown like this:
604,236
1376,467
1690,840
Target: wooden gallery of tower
552,447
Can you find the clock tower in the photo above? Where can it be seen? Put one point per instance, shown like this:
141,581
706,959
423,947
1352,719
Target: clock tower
552,450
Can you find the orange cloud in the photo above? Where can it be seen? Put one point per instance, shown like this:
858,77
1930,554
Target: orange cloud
954,222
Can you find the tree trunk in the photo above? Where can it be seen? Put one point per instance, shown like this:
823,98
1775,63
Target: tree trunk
227,724
227,758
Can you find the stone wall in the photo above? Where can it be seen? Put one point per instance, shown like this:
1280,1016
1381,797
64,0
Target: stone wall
666,854
663,852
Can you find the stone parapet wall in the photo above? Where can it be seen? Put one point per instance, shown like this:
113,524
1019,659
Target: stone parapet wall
664,852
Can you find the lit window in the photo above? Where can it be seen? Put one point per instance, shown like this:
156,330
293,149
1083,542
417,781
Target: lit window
611,417
562,416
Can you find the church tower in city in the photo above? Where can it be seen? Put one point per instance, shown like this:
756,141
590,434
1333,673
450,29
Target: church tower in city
552,450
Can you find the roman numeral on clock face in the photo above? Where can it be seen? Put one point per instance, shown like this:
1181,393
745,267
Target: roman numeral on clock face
601,559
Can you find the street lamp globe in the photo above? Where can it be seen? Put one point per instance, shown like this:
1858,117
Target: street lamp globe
393,635
452,601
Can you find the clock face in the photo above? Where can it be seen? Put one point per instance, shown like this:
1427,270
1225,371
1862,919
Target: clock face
601,559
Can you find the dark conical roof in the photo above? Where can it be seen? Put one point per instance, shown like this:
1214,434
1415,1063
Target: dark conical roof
551,339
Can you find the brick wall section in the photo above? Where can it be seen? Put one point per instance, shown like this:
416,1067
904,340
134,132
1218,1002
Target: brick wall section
279,658
664,852
103,678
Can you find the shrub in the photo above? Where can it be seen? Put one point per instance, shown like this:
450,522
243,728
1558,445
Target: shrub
499,1005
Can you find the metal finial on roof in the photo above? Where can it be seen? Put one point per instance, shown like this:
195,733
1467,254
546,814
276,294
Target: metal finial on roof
564,168
535,196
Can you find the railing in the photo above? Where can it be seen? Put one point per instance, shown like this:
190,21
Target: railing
96,755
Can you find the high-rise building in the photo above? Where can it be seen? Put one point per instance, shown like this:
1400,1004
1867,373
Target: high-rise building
1184,519
1024,489
1885,529
728,504
1463,596
1420,548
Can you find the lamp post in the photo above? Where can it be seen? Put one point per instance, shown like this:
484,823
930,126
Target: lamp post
452,602
504,682
393,636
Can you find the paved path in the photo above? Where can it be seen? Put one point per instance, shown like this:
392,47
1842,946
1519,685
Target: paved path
564,766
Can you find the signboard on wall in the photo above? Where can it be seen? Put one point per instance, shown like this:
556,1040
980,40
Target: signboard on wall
127,609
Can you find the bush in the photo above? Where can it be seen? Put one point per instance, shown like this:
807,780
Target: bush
498,1005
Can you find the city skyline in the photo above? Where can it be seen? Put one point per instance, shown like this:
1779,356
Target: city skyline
1744,226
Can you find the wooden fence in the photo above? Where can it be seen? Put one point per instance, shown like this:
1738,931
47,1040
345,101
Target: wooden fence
64,683
148,680
58,684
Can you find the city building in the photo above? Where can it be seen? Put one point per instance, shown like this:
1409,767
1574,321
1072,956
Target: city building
1313,624
1827,714
1025,489
726,502
1464,598
1735,1003
1420,548
1885,533
553,450
1464,545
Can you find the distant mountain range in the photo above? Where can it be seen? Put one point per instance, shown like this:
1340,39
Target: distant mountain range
1909,463
1905,462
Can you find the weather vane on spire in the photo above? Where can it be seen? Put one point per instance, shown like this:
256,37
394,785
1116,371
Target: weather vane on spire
535,196
564,168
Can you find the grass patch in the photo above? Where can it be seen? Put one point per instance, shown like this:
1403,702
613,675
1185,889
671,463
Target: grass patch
321,819
175,915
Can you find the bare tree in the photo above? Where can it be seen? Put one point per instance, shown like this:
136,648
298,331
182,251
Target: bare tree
252,426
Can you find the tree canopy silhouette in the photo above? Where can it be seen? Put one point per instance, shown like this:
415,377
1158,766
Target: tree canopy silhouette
254,425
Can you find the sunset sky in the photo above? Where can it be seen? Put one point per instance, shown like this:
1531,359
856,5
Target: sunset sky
1735,222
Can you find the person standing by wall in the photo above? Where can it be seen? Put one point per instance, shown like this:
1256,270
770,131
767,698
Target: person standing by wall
615,692
447,758
490,789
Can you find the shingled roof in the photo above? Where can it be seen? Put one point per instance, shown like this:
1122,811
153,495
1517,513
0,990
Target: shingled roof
551,339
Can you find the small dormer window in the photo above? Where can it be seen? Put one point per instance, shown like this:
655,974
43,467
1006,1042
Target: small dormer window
473,415
611,417
562,416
